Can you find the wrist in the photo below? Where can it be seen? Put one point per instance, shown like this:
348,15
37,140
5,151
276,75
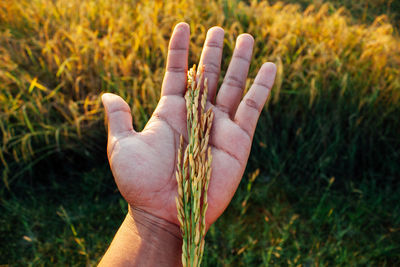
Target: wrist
144,240
148,226
160,241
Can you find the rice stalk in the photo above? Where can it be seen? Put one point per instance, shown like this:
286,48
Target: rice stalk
194,171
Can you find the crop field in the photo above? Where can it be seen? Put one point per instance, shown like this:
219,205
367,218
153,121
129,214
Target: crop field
322,185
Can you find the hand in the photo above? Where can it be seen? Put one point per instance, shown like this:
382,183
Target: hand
144,163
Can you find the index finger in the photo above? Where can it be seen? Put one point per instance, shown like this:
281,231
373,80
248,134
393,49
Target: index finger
174,82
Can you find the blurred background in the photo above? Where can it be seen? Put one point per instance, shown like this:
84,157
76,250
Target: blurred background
322,184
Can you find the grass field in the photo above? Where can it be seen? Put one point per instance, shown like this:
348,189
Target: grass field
322,184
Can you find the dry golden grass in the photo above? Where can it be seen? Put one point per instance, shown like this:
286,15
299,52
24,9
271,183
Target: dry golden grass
57,57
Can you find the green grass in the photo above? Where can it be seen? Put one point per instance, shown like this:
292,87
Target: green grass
288,225
63,222
282,223
326,147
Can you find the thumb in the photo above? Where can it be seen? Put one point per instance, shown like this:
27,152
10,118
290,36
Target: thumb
119,115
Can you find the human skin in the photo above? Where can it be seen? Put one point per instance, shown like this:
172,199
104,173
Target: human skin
144,163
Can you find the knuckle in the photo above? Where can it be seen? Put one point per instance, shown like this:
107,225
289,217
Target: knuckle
211,67
252,104
234,82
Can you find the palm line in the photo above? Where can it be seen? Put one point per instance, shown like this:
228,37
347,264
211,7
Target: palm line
178,134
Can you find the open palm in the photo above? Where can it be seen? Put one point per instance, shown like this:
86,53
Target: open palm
144,163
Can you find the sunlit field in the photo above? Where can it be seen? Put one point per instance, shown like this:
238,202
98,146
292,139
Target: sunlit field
322,184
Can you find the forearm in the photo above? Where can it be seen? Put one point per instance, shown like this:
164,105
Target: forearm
144,240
